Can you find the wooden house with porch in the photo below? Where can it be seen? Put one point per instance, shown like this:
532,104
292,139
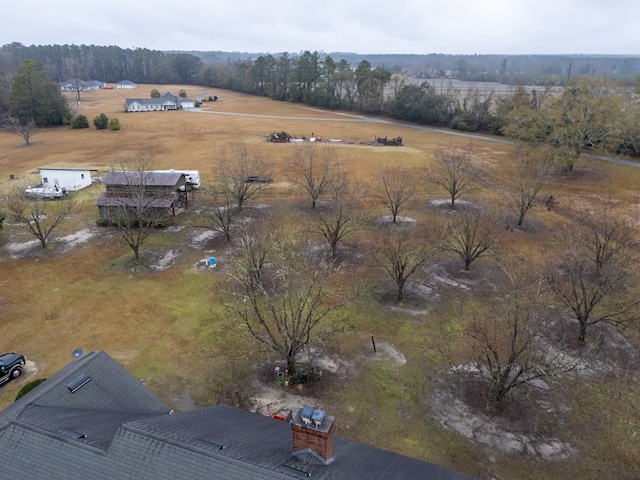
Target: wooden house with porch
149,194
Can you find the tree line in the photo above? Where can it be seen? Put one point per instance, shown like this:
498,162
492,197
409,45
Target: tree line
588,115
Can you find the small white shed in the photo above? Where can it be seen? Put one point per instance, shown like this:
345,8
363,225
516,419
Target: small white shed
69,178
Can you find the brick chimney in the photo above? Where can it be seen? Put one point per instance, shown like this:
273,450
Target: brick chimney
313,434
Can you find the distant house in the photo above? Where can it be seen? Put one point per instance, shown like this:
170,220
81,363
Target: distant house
69,178
150,104
75,85
126,84
168,101
157,192
93,419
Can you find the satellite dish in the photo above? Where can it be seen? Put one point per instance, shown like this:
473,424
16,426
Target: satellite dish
77,353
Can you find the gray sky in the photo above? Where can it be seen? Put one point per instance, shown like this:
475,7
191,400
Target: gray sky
359,26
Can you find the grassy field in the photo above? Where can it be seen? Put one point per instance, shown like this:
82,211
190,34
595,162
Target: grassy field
167,325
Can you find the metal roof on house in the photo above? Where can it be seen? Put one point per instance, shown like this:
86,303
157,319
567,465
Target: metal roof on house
149,178
107,199
113,427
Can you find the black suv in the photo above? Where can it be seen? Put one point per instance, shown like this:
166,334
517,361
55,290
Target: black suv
11,365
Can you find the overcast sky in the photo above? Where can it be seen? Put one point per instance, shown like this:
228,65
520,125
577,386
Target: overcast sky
359,26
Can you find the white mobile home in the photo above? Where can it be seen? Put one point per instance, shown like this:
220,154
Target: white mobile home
68,178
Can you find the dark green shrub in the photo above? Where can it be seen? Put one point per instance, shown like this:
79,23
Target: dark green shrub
28,387
114,124
79,121
101,122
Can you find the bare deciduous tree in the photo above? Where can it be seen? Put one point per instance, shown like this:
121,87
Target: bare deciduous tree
237,169
39,216
25,130
255,247
533,171
218,208
454,171
290,303
503,341
399,253
317,169
341,216
398,189
472,234
592,272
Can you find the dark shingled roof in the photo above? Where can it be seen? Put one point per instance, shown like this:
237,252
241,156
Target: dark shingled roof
113,427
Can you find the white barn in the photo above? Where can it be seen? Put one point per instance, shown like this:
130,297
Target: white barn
126,84
69,178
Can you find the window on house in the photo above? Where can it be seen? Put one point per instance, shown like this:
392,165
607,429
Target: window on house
45,180
82,176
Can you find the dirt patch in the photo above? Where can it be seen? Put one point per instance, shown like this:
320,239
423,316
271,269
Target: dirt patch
497,432
31,368
162,261
202,239
399,219
19,250
60,244
75,239
384,352
271,397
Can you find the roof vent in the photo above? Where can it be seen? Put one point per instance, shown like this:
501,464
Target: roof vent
78,382
294,472
208,445
72,434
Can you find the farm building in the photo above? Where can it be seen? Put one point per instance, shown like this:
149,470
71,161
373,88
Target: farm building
207,97
93,419
168,101
69,178
157,193
126,84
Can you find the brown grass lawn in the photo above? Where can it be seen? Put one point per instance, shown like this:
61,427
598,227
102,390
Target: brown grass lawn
168,326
